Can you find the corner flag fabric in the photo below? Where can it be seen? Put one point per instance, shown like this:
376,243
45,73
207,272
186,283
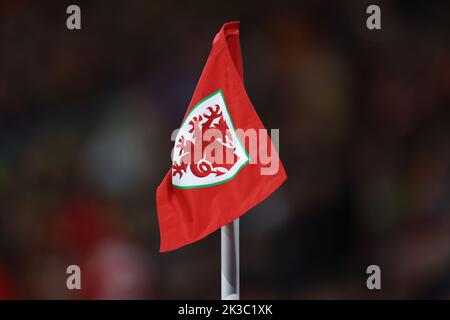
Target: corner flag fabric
220,167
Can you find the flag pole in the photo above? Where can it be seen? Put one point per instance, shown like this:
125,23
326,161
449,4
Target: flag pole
230,260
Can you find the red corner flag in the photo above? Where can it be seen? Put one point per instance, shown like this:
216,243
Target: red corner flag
224,162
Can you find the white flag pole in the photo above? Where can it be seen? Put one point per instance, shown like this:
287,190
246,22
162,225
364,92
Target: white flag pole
230,260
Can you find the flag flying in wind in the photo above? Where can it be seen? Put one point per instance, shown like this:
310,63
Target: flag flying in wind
223,162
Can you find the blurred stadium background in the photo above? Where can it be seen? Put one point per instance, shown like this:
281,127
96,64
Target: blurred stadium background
364,118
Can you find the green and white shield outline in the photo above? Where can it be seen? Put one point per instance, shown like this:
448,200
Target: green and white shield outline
188,179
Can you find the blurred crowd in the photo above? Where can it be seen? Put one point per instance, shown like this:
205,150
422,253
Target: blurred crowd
364,118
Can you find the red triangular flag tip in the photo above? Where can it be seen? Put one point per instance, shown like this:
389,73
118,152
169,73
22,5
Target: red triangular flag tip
223,162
